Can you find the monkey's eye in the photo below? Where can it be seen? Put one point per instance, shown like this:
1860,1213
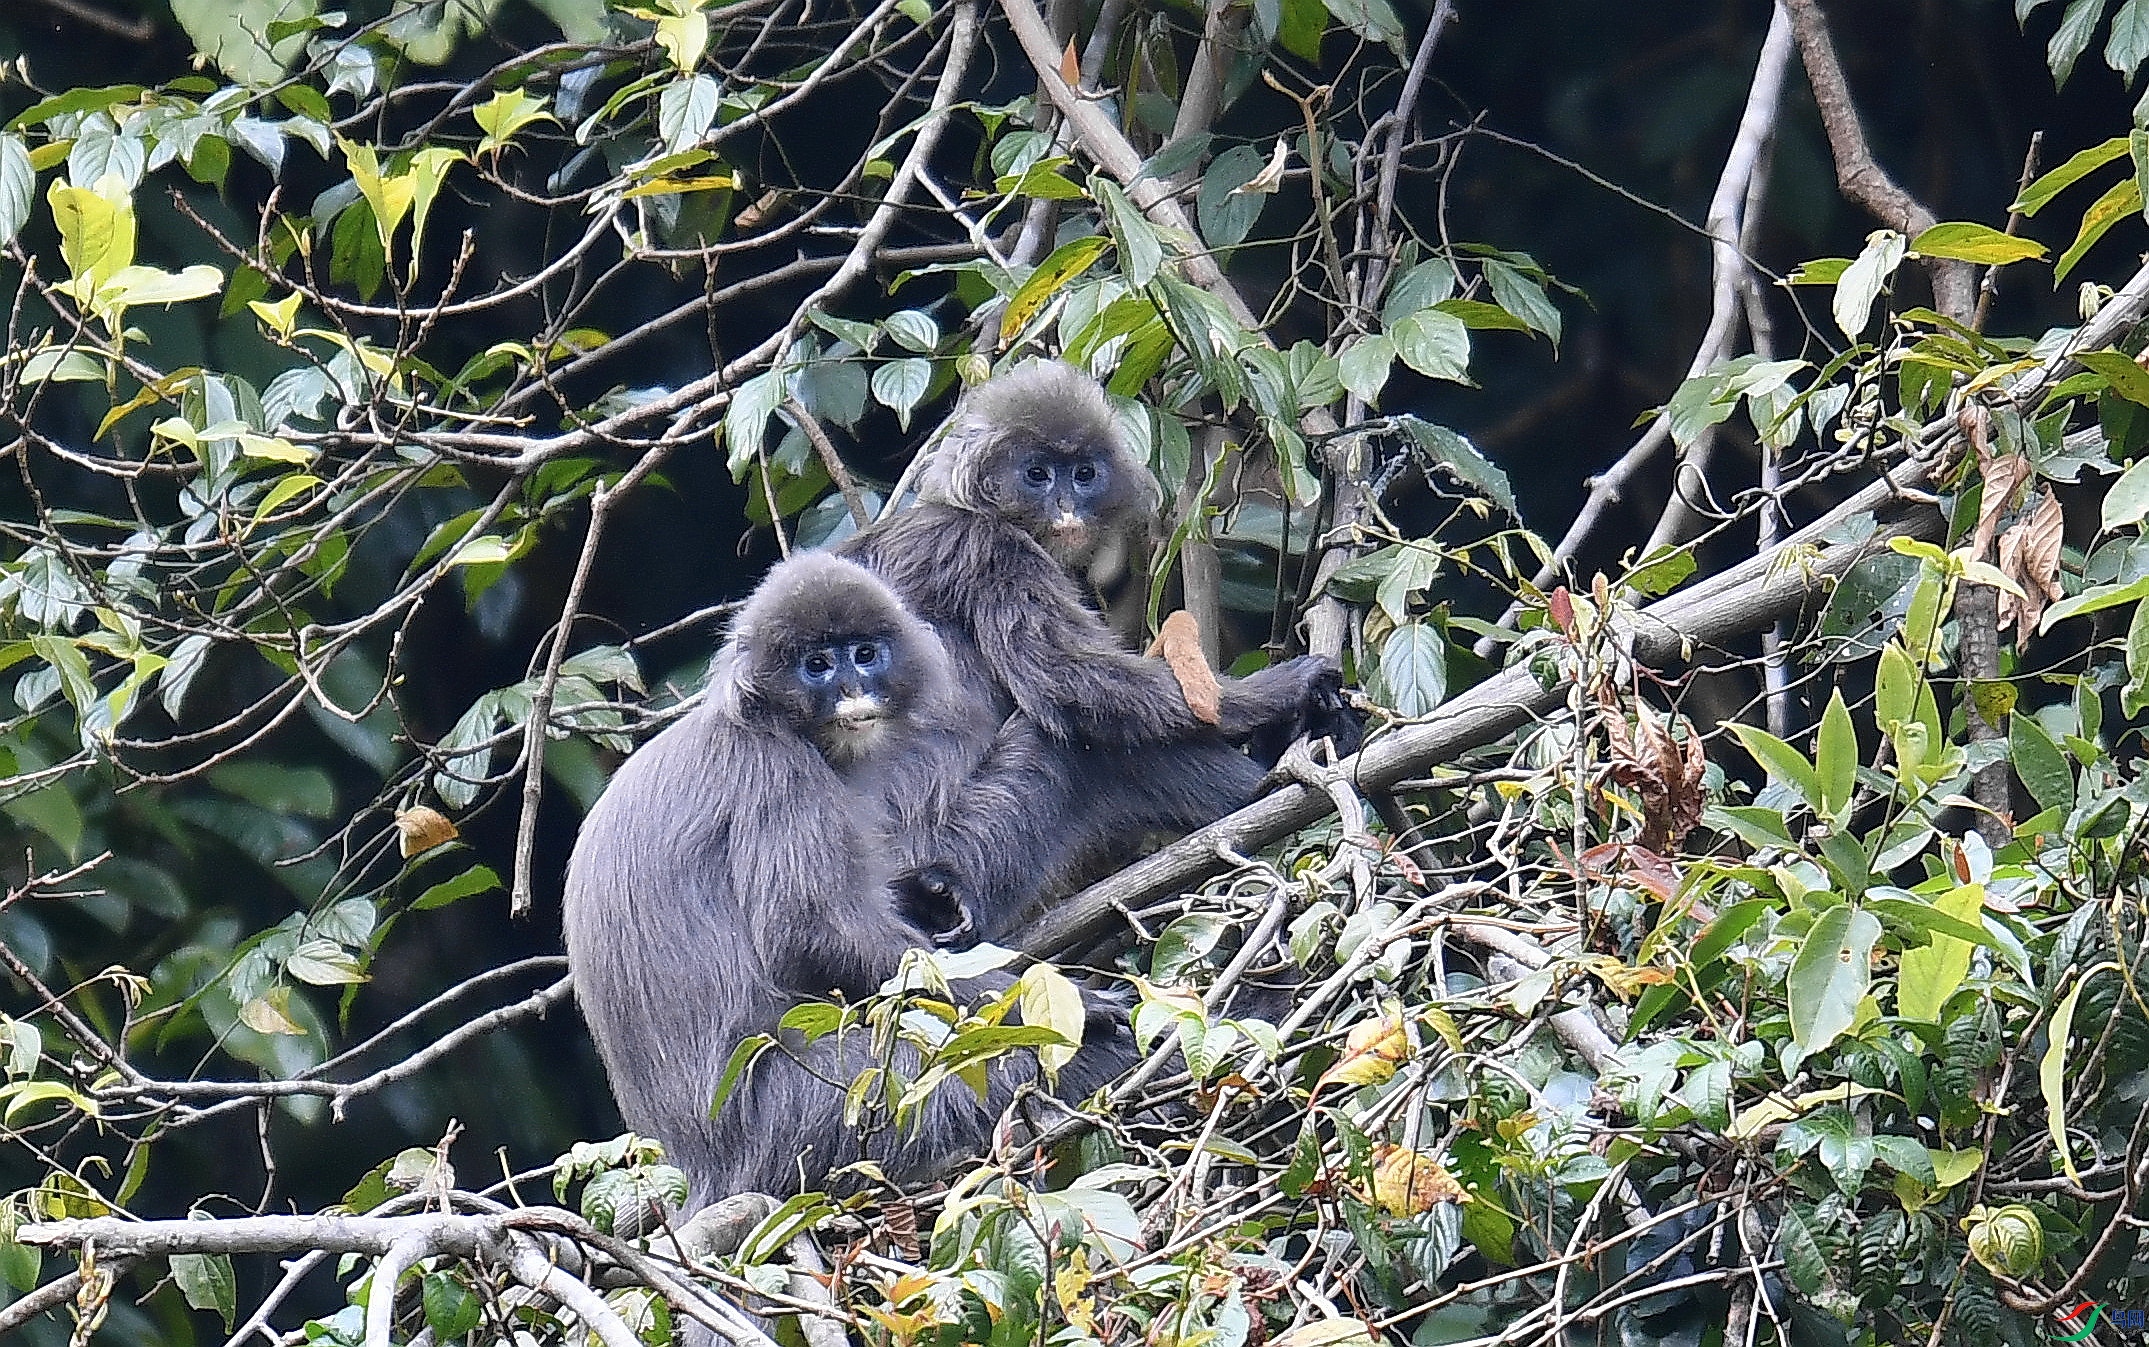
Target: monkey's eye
866,655
1038,474
1085,473
818,665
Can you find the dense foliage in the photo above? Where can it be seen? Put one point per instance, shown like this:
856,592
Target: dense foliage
1731,933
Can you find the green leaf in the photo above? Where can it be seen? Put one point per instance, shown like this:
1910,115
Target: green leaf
96,234
450,1309
2040,763
323,963
1477,315
1421,286
1931,973
2123,200
1049,1001
1364,366
20,1264
1463,462
1141,252
1300,31
18,187
2135,696
501,116
231,33
1820,271
1865,278
913,330
1184,942
2093,600
2068,41
1414,668
2120,373
1225,214
1373,20
1908,909
1067,261
1662,571
900,385
476,880
742,1057
1524,298
2128,45
1802,1256
1967,242
208,1283
1830,975
2052,1071
2081,165
1836,759
1411,568
281,494
1435,344
1720,934
746,420
1778,759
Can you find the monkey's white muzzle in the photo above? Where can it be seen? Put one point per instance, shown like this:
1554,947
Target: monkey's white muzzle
862,712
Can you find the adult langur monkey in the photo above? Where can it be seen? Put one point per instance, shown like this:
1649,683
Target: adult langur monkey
1099,745
739,864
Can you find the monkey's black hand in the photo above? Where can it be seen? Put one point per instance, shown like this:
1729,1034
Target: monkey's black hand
1316,708
931,899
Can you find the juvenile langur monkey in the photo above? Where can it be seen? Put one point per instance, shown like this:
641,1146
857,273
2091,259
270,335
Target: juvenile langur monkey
739,863
1099,745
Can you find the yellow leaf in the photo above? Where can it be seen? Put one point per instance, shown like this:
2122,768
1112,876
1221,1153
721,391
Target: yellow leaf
279,317
267,1013
1408,1182
684,38
1329,1333
96,232
1370,1054
1050,1001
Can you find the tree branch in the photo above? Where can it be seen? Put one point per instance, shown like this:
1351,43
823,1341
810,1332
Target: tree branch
1858,173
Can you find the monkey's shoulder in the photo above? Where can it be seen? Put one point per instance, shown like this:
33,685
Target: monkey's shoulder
708,773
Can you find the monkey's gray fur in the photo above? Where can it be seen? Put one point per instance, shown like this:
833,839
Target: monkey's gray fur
1098,746
739,863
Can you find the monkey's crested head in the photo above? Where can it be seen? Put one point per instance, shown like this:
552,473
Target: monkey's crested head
1039,447
825,646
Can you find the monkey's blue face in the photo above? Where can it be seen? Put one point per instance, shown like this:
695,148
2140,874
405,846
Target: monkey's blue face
848,692
1063,495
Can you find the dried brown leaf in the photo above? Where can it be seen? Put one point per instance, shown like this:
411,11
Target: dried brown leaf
2029,555
422,827
1667,774
1179,642
1071,66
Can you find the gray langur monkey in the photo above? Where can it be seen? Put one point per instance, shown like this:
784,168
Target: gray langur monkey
1095,746
739,863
